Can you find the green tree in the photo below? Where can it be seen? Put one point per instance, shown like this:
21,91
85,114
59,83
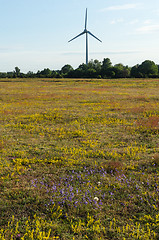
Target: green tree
135,71
148,69
46,73
95,64
66,69
30,74
106,68
3,75
121,71
81,71
106,63
91,73
83,67
17,72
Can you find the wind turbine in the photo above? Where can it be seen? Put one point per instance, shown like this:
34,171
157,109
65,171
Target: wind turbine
86,32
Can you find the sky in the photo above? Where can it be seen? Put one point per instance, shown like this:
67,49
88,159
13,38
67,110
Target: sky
35,33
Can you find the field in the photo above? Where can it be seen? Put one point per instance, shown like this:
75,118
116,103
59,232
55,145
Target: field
79,159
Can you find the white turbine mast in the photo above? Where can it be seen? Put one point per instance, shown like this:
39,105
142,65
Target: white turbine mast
86,32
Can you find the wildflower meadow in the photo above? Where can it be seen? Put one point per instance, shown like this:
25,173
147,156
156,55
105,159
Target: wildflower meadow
79,159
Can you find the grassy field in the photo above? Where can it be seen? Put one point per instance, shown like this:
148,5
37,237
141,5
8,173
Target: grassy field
79,159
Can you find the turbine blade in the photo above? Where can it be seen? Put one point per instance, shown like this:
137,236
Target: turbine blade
94,36
77,36
86,20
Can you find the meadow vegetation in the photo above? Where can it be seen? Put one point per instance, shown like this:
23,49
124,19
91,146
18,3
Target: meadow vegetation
79,159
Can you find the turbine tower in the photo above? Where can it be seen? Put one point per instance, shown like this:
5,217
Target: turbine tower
86,32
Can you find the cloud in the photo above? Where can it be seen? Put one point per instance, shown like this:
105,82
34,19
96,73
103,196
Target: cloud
148,29
120,7
104,52
133,22
4,49
9,49
148,21
72,53
120,20
117,52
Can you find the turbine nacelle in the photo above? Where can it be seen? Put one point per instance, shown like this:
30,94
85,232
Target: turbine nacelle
86,32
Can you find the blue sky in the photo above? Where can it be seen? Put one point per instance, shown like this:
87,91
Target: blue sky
35,33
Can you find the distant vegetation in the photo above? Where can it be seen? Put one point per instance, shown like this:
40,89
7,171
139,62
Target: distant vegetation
94,69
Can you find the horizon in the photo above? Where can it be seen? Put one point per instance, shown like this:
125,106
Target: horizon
35,35
56,70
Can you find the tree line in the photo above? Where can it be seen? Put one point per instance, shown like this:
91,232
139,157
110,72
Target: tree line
94,69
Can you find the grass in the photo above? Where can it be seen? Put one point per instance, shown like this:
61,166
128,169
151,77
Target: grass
79,159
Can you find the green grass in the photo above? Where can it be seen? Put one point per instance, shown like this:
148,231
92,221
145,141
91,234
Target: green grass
79,159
